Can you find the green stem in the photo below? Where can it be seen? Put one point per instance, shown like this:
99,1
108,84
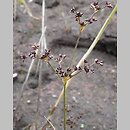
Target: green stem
64,103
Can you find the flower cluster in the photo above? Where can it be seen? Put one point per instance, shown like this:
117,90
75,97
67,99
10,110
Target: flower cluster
60,58
96,6
46,55
33,54
74,70
67,73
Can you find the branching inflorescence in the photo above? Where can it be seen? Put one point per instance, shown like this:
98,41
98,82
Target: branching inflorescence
96,6
66,73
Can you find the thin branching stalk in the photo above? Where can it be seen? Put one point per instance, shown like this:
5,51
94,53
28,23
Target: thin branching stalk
43,25
86,55
42,48
39,93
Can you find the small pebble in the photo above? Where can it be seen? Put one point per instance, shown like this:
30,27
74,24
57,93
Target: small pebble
104,126
28,101
14,108
75,100
78,93
40,100
81,126
54,96
15,75
88,102
94,127
113,103
113,71
104,100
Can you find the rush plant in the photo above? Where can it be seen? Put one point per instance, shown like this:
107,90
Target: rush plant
67,74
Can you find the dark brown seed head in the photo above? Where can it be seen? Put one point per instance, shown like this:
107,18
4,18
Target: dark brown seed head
90,21
109,5
42,56
23,57
75,68
51,57
94,19
59,68
35,47
79,68
78,14
82,24
97,7
73,10
64,56
68,69
101,63
85,61
92,70
96,60
86,69
60,55
95,3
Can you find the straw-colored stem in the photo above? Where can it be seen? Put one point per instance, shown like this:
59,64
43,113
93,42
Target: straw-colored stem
28,9
42,47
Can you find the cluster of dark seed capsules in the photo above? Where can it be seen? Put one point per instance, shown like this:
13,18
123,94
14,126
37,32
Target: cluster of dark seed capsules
33,54
69,72
96,6
63,73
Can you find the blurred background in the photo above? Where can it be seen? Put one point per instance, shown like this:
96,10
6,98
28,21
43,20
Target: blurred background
91,100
